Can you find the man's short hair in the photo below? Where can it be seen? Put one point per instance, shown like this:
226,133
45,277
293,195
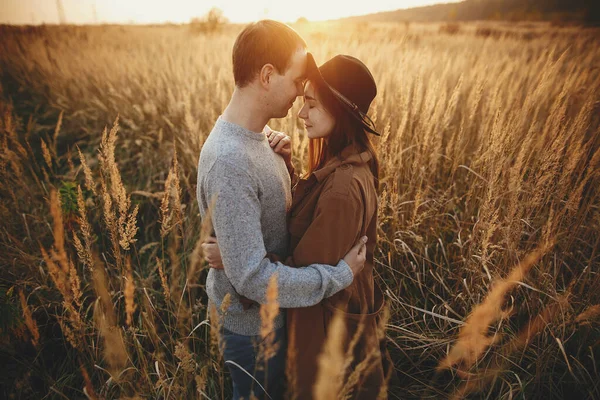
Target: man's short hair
260,43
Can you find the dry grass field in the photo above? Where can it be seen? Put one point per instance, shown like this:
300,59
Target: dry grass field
489,235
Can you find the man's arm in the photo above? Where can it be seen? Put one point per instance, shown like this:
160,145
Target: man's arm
236,221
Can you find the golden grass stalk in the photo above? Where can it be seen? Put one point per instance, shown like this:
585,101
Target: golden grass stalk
201,381
111,222
165,216
216,342
381,335
163,279
175,271
362,369
290,367
56,133
75,284
8,123
349,356
225,304
58,276
59,253
149,320
171,216
268,313
115,352
589,315
11,158
89,387
216,323
206,229
74,320
130,306
84,250
69,334
90,184
128,228
60,267
126,222
365,366
29,321
186,359
473,339
45,175
64,275
331,362
501,360
270,309
46,154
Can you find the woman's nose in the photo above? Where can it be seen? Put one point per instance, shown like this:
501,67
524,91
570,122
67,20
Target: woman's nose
302,113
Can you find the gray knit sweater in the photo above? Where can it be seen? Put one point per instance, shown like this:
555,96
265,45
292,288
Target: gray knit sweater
253,194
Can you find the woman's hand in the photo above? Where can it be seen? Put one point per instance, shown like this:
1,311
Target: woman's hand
357,256
212,253
280,143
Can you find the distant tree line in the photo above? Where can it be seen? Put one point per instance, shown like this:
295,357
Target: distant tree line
569,10
585,11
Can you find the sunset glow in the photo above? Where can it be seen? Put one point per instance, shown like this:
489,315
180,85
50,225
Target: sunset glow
180,11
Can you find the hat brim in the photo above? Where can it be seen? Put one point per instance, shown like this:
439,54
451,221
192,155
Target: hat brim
313,73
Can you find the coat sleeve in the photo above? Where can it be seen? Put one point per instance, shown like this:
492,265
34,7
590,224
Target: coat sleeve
335,226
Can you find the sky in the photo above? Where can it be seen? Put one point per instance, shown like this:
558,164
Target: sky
178,11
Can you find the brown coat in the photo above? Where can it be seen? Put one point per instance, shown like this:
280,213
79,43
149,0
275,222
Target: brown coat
331,210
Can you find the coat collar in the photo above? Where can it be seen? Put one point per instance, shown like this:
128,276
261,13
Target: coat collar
349,155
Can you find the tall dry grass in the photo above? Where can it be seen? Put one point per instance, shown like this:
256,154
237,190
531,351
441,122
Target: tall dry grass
490,152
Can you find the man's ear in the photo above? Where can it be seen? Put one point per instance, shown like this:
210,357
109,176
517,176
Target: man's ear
266,74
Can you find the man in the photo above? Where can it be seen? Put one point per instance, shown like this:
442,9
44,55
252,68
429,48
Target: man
251,189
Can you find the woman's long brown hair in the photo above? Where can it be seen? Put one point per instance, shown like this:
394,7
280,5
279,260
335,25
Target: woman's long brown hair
347,131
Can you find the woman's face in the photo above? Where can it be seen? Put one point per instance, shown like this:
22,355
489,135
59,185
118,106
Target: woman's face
318,121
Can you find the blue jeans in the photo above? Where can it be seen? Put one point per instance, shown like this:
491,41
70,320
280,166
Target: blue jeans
243,351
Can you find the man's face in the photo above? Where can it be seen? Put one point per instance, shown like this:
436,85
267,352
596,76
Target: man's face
287,86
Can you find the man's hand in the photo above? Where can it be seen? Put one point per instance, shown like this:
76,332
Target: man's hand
357,256
280,143
212,253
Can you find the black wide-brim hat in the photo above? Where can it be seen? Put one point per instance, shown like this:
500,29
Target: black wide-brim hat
350,82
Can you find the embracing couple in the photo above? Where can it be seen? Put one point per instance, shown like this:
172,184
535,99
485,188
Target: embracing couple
316,233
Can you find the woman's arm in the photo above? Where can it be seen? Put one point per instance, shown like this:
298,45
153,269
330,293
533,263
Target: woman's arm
282,145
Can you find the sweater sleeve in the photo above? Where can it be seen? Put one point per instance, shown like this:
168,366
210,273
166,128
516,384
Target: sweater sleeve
236,218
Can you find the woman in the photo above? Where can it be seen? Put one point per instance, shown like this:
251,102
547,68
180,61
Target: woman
333,206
